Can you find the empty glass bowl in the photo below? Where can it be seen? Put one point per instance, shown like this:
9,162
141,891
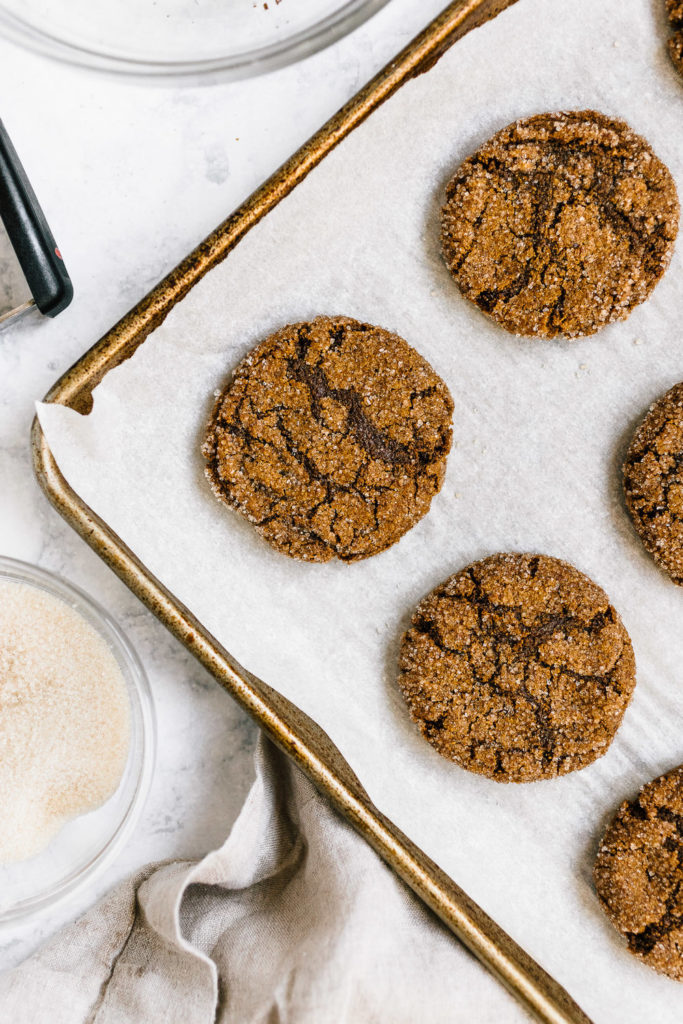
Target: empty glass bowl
88,843
173,39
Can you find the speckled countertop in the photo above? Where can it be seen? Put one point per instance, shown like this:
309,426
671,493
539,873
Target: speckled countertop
131,177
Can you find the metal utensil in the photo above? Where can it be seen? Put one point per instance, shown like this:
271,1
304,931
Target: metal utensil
41,261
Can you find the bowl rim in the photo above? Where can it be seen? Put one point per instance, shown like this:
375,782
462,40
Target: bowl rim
142,710
242,64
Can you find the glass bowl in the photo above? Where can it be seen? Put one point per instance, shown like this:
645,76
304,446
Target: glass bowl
176,39
86,844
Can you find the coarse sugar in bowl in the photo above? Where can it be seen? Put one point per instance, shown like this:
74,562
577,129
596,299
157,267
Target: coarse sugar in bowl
77,739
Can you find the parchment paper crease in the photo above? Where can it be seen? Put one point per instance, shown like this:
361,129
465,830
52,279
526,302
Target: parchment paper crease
540,430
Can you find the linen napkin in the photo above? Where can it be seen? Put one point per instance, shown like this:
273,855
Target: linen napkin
294,920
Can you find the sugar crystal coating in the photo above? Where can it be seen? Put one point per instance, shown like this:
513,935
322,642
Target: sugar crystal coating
331,438
653,482
674,9
560,224
639,873
517,668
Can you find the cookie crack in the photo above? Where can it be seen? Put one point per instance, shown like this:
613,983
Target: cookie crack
524,648
271,453
375,442
538,171
644,942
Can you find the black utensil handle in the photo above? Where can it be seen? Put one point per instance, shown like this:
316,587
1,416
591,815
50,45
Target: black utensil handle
31,238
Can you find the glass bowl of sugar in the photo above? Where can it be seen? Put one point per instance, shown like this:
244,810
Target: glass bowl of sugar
182,40
77,739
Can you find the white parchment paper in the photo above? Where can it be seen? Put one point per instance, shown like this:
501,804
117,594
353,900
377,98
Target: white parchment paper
540,430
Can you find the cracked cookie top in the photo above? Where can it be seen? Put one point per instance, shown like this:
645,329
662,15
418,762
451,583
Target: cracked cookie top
674,9
331,438
639,873
653,482
517,668
560,224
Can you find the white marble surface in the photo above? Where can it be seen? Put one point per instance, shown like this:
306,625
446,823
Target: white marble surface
131,177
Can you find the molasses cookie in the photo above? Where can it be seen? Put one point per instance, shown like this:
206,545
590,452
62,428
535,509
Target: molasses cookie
675,11
517,668
560,224
653,482
639,874
331,438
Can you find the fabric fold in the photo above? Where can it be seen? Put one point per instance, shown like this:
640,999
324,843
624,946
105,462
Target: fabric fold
293,920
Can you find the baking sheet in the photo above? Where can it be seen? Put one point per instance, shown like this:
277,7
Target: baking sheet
540,429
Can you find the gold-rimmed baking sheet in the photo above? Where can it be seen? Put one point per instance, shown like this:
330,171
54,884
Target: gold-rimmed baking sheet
387,269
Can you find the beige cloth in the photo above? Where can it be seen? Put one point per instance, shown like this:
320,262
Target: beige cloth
294,920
